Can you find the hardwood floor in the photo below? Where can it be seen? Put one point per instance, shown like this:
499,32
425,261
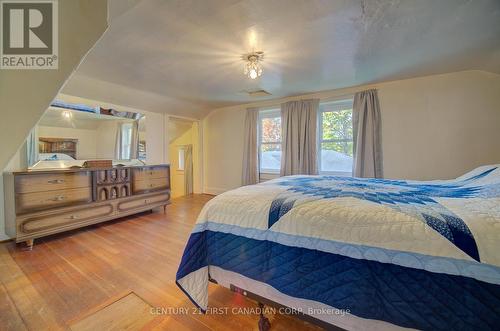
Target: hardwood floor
66,276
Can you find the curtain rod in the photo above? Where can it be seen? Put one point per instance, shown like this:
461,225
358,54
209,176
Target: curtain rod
338,97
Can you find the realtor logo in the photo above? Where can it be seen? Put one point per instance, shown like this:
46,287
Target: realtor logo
29,36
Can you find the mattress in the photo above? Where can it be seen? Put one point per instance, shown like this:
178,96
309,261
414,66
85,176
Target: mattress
405,254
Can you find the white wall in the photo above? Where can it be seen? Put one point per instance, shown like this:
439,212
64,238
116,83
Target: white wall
156,138
105,139
440,127
433,127
222,149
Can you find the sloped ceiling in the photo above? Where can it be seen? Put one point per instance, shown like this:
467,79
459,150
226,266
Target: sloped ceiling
177,128
26,94
183,56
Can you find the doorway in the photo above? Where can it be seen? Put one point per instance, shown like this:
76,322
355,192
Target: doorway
183,150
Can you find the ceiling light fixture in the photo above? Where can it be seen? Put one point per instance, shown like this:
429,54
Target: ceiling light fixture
253,67
67,114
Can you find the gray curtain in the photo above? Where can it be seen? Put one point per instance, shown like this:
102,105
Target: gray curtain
366,122
134,140
119,153
32,147
250,174
299,142
188,169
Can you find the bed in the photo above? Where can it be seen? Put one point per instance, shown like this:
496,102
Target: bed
55,157
360,254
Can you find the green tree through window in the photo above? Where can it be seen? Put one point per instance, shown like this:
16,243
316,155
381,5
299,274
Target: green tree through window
335,141
269,141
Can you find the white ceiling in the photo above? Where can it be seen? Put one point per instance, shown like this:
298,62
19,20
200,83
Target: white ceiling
183,56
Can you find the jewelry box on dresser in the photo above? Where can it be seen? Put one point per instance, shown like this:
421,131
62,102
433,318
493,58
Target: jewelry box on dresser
41,203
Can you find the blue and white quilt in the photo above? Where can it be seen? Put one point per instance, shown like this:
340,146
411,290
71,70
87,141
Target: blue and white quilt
423,255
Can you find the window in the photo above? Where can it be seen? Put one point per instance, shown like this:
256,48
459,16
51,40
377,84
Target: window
142,150
181,159
269,135
335,138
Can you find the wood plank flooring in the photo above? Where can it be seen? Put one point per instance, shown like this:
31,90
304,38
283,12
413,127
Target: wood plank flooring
128,313
67,275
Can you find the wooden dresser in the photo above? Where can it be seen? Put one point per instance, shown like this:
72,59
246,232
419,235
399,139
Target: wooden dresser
40,203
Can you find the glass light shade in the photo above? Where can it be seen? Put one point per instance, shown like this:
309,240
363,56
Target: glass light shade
253,68
66,114
252,74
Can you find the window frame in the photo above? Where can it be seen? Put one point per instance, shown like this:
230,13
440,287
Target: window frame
263,114
320,140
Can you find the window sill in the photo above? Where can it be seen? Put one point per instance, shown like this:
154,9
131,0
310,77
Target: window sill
265,176
269,173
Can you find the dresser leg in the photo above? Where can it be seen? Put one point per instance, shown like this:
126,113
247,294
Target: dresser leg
29,243
164,209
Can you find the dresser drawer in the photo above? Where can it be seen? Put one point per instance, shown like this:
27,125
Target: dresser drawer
30,202
31,224
49,182
152,184
143,202
151,172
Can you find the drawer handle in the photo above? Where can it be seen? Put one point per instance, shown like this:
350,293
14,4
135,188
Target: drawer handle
58,198
145,201
56,181
73,217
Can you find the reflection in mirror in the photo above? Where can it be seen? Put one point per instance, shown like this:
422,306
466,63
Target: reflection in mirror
70,134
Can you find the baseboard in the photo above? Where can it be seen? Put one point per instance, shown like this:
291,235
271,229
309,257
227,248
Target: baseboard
214,190
4,238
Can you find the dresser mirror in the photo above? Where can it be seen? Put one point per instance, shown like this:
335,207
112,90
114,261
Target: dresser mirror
69,134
